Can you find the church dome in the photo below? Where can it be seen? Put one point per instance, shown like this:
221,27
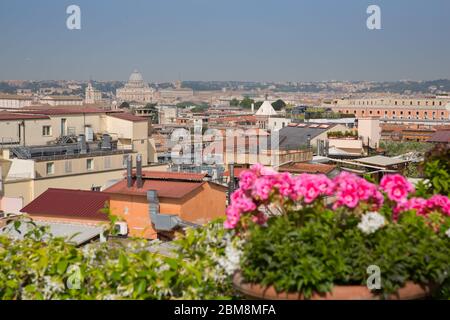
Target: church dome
136,76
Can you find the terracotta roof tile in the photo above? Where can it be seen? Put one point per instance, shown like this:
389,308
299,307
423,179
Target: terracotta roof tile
164,189
63,110
167,184
20,116
66,203
441,136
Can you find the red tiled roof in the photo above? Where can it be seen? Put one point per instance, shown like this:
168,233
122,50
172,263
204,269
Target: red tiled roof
66,203
164,188
62,111
167,184
20,116
127,116
441,136
237,172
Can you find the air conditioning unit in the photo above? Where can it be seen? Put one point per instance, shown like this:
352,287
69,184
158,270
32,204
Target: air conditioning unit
121,228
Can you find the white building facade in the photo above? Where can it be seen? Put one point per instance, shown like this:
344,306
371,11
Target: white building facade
135,90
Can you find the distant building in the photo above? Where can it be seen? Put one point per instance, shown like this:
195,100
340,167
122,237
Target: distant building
401,110
264,113
62,100
12,101
92,95
277,123
135,89
79,147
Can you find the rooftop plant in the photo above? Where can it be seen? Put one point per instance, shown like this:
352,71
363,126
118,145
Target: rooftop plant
308,233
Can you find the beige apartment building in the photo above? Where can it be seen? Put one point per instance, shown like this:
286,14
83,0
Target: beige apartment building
61,148
44,126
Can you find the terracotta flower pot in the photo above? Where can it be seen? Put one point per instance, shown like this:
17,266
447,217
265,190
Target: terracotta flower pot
410,291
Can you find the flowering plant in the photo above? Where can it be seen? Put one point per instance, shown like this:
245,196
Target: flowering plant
307,232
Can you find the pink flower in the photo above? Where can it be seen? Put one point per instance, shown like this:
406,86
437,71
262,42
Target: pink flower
246,179
396,187
423,207
349,199
263,187
233,216
260,218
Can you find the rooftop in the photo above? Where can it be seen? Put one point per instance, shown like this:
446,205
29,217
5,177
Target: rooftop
14,97
62,98
128,117
66,203
62,110
166,184
440,136
295,136
381,161
5,115
75,233
303,167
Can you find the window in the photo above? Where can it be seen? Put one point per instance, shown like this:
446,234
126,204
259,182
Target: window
107,162
90,164
50,168
46,131
68,166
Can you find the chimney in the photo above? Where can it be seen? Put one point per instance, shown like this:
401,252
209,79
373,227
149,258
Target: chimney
153,205
139,182
231,182
129,168
308,140
253,108
82,144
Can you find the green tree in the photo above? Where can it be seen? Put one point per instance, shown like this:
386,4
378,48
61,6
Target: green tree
279,105
234,102
246,103
124,105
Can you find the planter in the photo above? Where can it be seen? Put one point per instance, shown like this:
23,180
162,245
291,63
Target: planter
410,291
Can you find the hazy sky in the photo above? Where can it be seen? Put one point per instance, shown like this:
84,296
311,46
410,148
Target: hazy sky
272,40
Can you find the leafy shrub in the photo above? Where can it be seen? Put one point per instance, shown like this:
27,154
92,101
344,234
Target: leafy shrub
436,171
36,269
322,253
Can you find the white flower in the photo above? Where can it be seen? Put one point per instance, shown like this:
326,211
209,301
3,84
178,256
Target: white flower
448,233
371,222
231,261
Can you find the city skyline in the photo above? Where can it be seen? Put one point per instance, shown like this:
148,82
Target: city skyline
215,41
